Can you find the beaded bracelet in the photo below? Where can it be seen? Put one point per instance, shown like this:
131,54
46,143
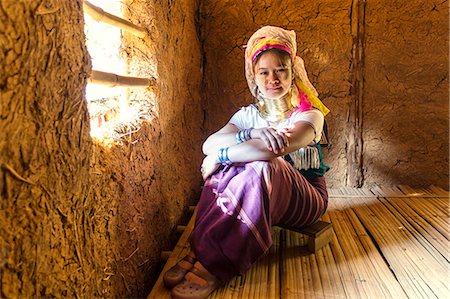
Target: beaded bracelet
222,155
243,135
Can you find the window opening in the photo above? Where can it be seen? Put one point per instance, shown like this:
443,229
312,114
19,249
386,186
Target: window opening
112,116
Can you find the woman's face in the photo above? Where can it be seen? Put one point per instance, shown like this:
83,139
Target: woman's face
273,74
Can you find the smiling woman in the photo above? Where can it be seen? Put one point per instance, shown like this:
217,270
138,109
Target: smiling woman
263,168
273,73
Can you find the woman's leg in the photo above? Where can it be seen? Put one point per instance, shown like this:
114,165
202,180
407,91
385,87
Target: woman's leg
304,201
237,208
232,227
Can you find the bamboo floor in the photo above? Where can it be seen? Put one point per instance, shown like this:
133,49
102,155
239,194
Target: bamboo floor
387,243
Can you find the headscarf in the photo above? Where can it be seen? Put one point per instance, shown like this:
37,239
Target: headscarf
271,37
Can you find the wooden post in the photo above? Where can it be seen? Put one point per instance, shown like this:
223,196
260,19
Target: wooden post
112,80
100,15
355,171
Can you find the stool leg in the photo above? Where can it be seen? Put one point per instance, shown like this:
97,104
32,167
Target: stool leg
319,241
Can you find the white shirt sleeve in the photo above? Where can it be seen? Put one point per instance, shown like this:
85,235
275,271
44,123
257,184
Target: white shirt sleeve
247,117
313,117
238,118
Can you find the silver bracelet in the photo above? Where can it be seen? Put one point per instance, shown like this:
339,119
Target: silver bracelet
243,135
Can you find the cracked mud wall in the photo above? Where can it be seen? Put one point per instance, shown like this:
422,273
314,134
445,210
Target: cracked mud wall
79,219
380,66
45,153
406,133
159,169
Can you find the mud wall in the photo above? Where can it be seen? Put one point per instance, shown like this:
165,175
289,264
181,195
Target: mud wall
78,219
380,66
405,106
158,169
45,153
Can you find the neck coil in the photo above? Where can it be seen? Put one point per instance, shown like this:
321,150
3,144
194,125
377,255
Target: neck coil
275,109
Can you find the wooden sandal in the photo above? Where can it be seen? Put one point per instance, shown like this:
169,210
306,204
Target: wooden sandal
175,275
191,290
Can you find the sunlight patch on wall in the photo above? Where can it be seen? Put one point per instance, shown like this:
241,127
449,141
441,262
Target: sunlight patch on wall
111,115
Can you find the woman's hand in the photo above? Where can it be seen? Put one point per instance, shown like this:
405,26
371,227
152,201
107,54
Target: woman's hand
209,166
275,141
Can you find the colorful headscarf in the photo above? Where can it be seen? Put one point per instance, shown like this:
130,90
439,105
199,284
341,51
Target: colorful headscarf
270,37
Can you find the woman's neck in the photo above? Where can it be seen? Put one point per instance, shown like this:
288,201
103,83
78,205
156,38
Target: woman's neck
274,110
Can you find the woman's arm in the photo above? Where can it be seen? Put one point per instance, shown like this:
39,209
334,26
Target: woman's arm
300,135
264,145
274,140
225,137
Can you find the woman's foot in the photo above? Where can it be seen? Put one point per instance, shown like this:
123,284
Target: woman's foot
197,284
175,275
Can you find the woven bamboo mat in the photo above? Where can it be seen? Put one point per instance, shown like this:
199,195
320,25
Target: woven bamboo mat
387,243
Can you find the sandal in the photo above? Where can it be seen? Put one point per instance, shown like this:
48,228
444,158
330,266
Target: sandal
191,290
175,275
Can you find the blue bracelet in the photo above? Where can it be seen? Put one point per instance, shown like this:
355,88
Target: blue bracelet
222,155
243,135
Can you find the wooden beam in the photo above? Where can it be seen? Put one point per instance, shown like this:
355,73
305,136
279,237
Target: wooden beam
182,248
100,15
355,169
112,80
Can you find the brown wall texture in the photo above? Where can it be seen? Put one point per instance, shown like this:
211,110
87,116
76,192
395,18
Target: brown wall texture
45,149
78,219
380,66
406,96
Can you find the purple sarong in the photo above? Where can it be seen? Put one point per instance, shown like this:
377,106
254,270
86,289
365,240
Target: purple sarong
240,203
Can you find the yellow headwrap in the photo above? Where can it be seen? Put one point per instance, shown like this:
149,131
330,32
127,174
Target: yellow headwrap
270,37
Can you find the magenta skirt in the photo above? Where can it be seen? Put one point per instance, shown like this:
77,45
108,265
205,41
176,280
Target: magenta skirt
241,202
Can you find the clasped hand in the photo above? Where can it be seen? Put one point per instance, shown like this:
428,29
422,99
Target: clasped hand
275,141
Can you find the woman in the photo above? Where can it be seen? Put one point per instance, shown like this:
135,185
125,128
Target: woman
263,168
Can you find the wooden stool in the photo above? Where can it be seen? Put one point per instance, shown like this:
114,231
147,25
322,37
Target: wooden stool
319,234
